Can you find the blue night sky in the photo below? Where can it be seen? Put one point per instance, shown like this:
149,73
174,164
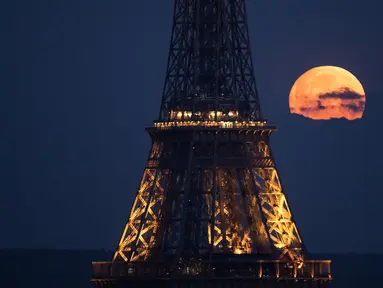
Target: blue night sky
81,79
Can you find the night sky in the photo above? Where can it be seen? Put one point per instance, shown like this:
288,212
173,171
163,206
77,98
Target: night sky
82,78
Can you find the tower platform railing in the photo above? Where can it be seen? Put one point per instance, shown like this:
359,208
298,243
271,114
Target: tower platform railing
259,269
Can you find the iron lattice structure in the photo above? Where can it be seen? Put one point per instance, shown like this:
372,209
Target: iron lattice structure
210,65
210,192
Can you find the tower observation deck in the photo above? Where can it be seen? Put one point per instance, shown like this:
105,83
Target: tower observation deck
210,210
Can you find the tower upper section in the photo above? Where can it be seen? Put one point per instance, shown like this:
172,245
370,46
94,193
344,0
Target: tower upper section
210,75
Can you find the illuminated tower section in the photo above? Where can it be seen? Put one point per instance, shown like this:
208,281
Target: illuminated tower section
210,206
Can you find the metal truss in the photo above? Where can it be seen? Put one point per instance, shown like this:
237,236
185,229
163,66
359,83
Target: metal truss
205,193
210,64
210,205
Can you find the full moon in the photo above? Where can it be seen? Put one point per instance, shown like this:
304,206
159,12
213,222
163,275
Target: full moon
326,92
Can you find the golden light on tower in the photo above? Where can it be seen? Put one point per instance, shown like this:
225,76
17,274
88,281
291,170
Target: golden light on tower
327,92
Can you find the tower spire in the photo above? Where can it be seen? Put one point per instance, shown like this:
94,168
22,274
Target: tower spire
210,69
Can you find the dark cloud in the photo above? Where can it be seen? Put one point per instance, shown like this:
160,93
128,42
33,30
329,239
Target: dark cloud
346,94
319,106
305,109
356,107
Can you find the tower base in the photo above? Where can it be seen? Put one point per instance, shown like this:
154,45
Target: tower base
233,272
209,283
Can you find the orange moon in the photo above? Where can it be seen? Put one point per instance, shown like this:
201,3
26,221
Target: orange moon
327,92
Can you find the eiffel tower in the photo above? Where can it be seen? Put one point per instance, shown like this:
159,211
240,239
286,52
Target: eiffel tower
210,209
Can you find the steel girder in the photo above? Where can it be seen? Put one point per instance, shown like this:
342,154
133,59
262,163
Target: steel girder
210,64
210,192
